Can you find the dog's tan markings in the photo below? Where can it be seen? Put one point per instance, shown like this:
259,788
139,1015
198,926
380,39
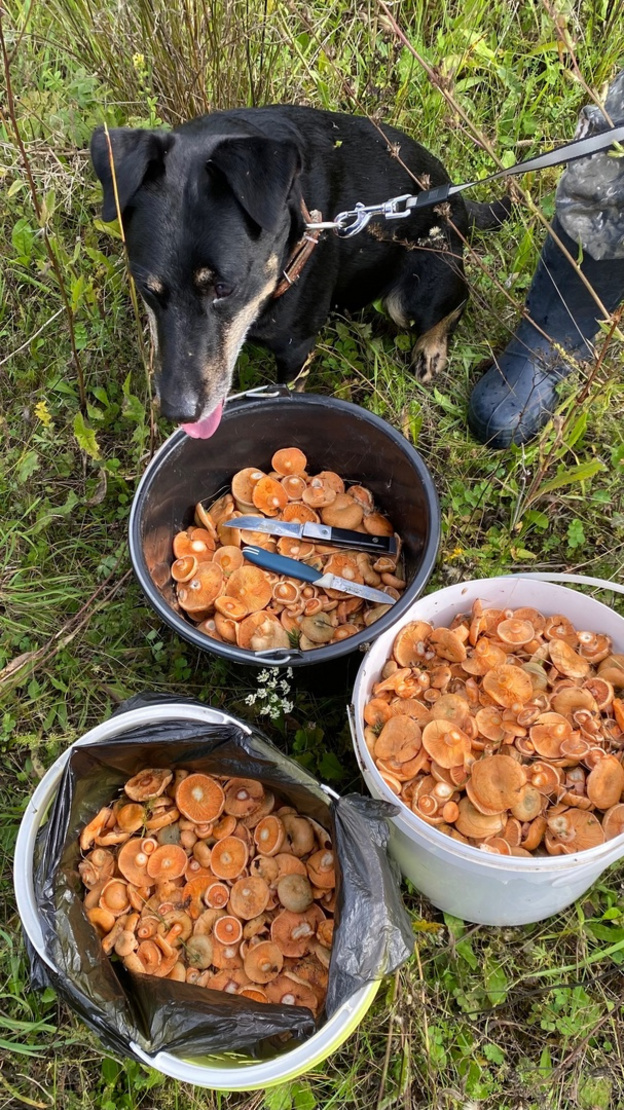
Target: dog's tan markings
152,327
271,267
394,307
234,334
203,277
154,284
430,353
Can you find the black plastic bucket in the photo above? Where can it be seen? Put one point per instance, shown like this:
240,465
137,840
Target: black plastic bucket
334,435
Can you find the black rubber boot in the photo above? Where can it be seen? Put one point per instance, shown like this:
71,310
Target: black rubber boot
517,395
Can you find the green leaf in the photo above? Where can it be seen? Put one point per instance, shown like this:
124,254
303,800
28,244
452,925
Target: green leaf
48,205
576,431
545,1063
278,1098
77,292
110,1070
303,1096
111,229
23,1049
604,932
330,767
85,437
576,533
22,238
540,520
15,187
455,925
495,982
493,1053
27,466
132,409
581,473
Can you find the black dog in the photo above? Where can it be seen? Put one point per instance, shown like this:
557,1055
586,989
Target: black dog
212,213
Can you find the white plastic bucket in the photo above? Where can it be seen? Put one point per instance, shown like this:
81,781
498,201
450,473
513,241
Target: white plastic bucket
226,1072
457,878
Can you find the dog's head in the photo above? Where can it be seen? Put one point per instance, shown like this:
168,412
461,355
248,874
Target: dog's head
206,220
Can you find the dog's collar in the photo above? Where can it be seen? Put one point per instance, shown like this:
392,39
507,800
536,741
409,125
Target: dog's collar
300,252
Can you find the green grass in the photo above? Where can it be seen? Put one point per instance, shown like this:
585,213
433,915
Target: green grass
495,1018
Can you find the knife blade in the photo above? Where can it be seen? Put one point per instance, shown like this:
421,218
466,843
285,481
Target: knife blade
318,533
293,568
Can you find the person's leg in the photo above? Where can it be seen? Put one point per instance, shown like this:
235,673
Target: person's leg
517,394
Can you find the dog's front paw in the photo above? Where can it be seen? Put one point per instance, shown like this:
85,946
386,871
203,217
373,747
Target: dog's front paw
429,359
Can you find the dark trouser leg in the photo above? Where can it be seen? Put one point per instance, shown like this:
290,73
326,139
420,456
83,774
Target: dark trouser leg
517,394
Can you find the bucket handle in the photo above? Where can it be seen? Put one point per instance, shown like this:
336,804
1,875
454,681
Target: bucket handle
279,656
260,391
582,579
356,747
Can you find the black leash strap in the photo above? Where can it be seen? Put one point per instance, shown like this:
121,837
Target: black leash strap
352,222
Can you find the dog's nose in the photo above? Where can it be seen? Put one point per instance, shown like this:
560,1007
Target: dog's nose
181,409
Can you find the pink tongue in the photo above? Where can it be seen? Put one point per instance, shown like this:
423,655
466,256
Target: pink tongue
205,428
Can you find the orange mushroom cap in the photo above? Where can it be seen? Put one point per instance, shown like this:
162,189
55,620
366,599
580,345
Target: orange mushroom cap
263,962
182,570
217,895
567,661
249,897
320,868
299,513
147,784
167,862
284,991
471,823
446,743
269,835
243,484
269,496
289,460
114,897
251,586
229,558
293,933
377,525
496,782
605,783
508,685
243,796
228,929
613,821
574,830
200,592
515,632
229,857
197,542
132,862
447,645
200,798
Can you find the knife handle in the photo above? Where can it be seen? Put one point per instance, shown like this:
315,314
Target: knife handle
280,564
385,545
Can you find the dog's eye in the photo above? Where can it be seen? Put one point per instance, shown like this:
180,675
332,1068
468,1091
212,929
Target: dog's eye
222,290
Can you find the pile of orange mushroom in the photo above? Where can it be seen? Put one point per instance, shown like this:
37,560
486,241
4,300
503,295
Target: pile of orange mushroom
504,731
212,881
237,603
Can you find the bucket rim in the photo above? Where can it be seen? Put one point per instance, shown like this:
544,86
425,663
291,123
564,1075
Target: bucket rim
410,823
286,657
250,1075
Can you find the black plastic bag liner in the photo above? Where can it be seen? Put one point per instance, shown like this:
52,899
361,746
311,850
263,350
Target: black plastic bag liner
372,937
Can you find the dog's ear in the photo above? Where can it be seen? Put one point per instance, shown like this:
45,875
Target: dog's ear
260,173
134,152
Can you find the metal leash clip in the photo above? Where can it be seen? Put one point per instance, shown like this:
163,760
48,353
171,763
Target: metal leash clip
352,222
